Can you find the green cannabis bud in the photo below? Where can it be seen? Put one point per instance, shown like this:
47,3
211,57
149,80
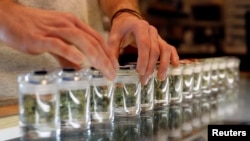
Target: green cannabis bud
125,95
73,103
38,110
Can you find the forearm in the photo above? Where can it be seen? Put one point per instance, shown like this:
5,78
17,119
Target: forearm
111,6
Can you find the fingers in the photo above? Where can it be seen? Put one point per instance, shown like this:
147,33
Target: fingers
153,55
114,47
154,51
174,57
60,48
164,59
144,79
144,44
151,47
65,63
97,36
90,47
60,34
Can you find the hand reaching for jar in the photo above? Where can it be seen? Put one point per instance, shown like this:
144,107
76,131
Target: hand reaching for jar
69,40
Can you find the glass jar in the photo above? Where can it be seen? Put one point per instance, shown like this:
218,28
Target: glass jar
236,70
127,99
206,77
175,77
161,91
147,96
197,73
188,79
102,99
214,76
38,105
147,93
222,80
74,100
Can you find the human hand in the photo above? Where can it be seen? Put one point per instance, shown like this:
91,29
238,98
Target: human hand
130,30
70,41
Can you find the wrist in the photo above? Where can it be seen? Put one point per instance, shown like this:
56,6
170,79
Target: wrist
126,11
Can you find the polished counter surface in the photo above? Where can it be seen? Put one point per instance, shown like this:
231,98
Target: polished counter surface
144,129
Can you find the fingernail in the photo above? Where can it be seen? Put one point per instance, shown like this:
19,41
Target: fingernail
144,80
111,74
161,76
117,65
78,59
141,71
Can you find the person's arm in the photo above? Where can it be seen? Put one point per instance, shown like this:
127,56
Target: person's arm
63,35
130,29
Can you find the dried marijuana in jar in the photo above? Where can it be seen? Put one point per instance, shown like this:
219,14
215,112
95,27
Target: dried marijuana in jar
74,99
176,84
38,104
127,94
147,96
161,92
188,79
102,93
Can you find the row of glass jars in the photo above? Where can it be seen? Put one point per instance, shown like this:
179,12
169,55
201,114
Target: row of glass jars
70,100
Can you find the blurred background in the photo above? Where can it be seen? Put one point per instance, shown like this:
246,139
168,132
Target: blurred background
200,28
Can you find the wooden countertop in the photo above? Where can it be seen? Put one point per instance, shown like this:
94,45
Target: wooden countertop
8,117
9,110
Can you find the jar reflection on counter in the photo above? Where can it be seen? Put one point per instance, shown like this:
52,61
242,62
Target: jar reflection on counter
38,105
175,122
187,118
146,127
127,128
74,100
160,125
196,114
